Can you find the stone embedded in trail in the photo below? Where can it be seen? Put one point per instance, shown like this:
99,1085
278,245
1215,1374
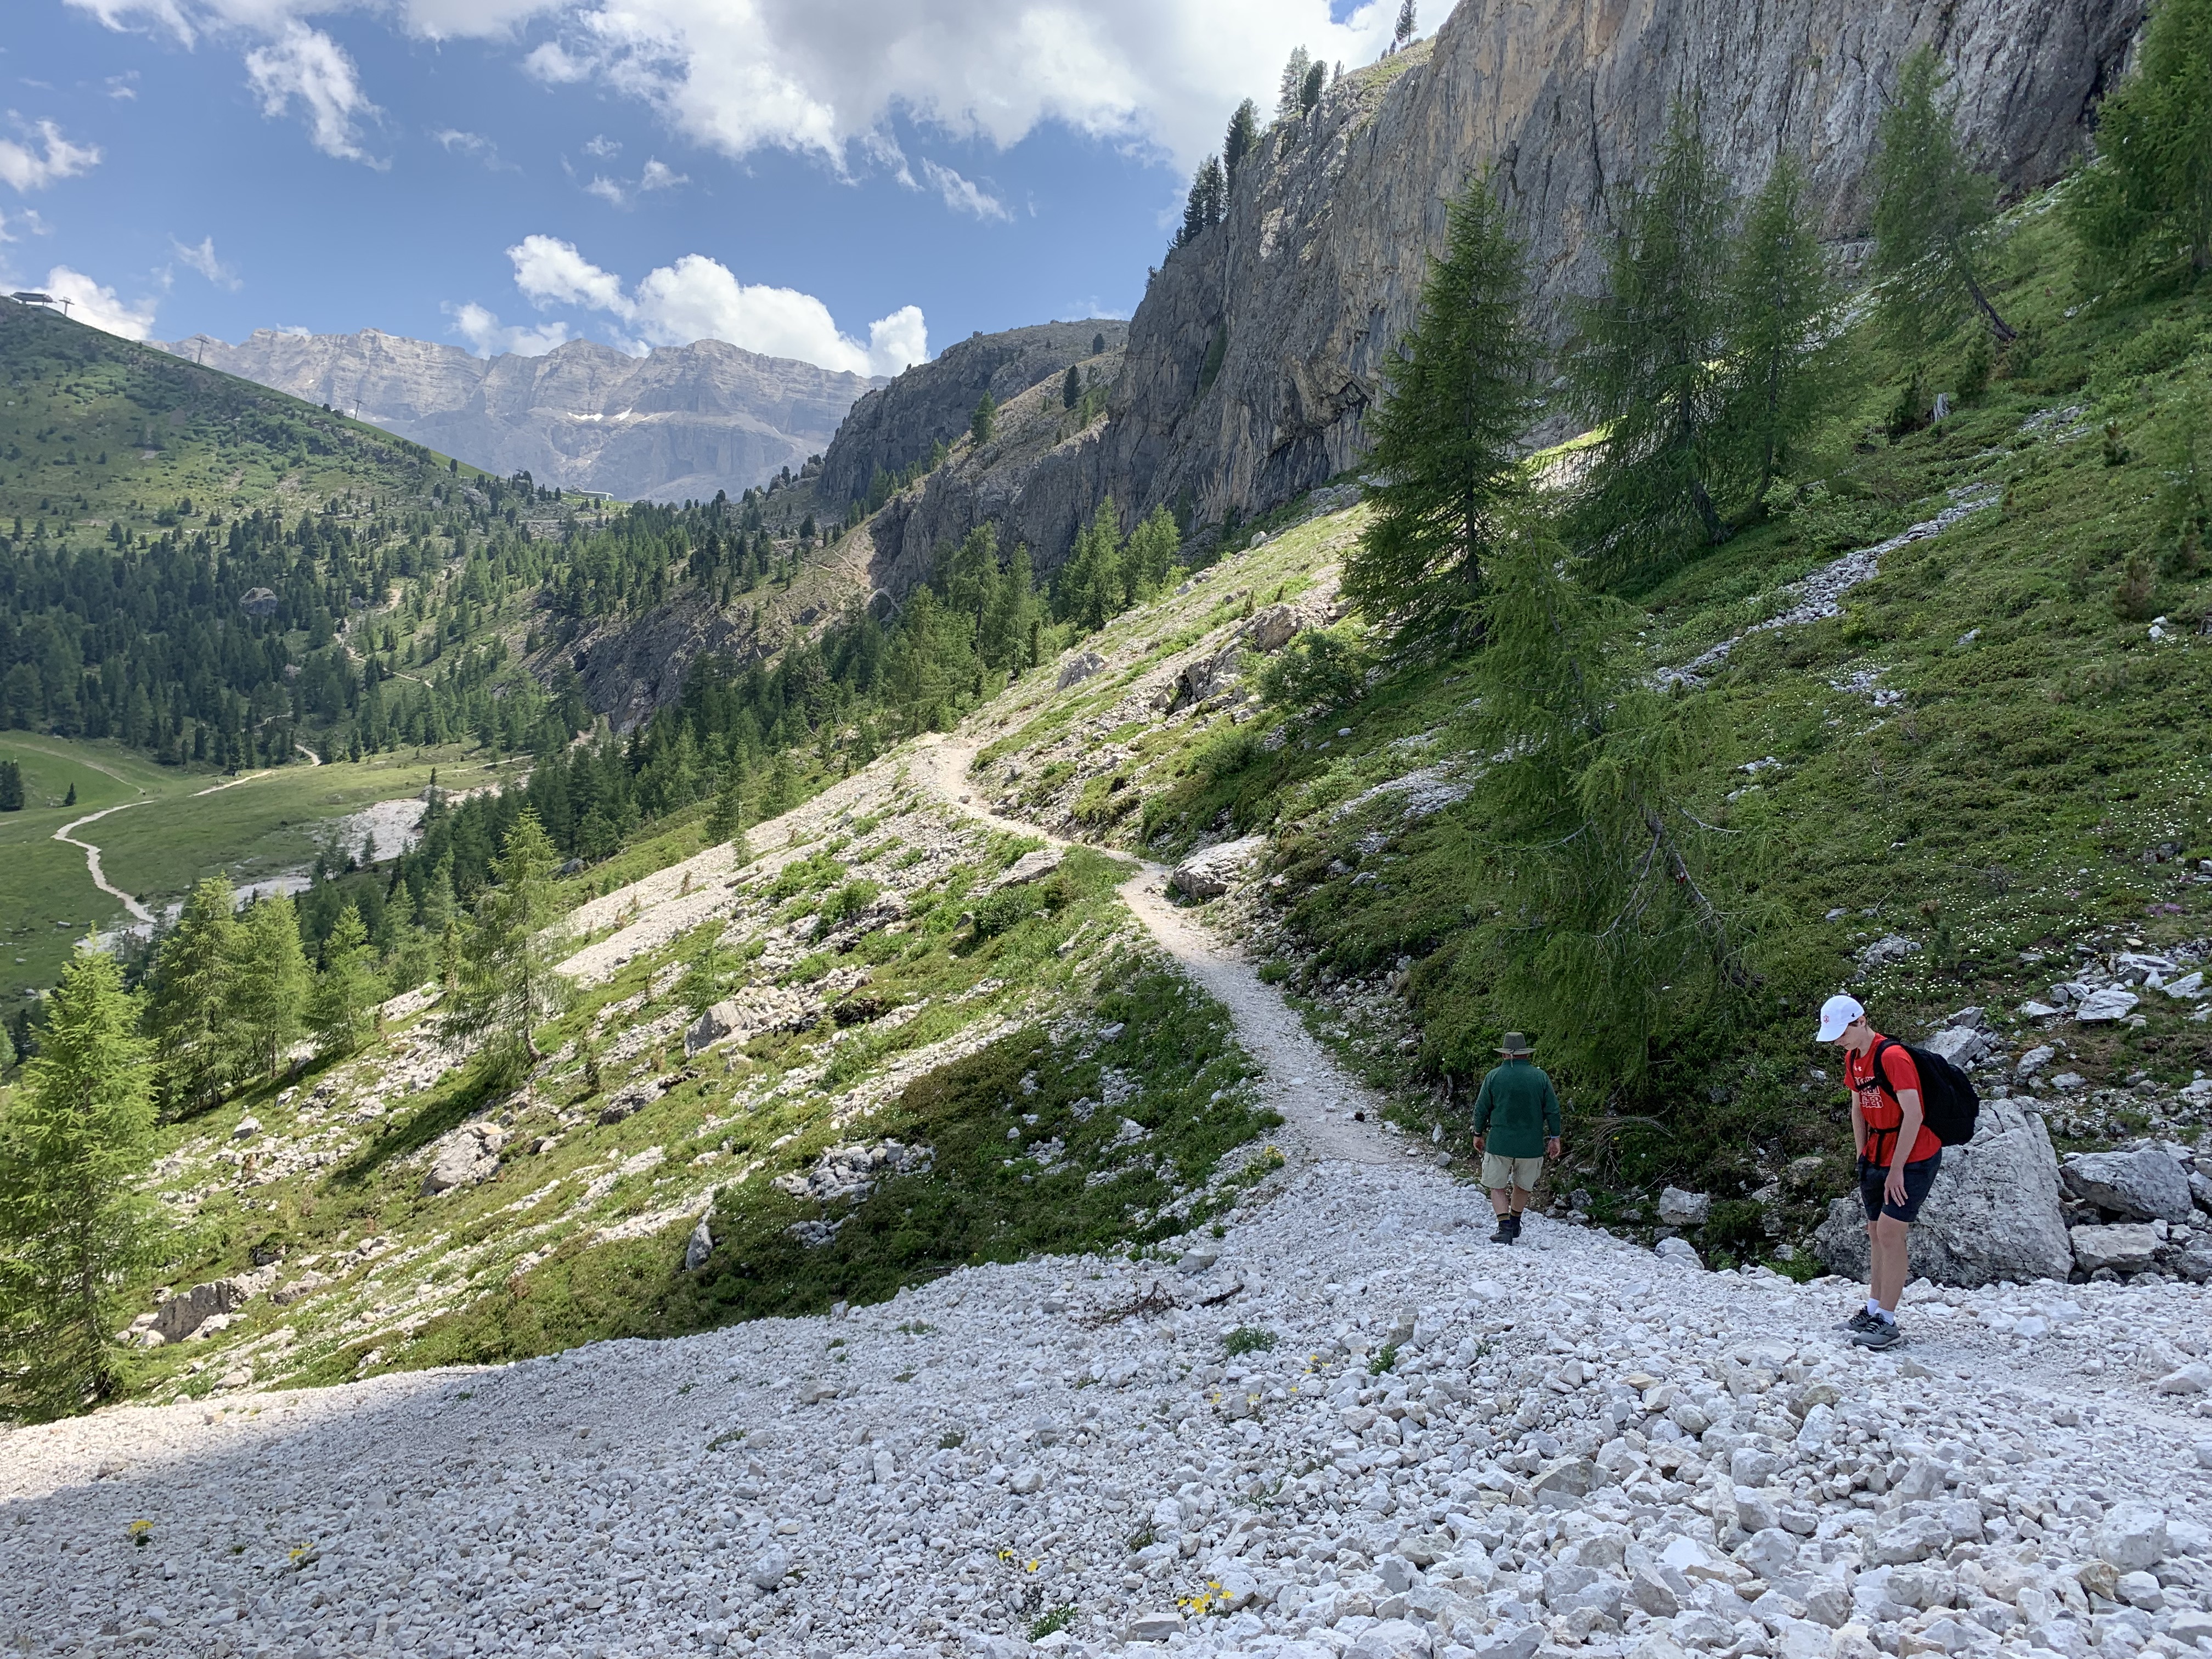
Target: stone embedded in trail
1214,870
1993,1213
2143,1185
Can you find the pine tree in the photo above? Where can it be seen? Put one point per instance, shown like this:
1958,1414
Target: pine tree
188,1003
1092,585
1071,388
1311,90
1403,34
267,985
74,1142
1933,215
710,972
1202,210
1609,893
1785,355
1458,393
507,982
341,1006
1646,364
1293,84
11,785
2147,200
1243,136
985,420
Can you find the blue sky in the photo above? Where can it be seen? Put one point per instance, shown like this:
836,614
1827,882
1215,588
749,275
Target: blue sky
849,181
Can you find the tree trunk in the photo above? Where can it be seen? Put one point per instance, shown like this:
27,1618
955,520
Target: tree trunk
2003,330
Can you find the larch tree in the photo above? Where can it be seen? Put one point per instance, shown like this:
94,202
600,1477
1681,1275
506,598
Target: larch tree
1311,90
1209,191
269,981
1646,364
341,1006
984,422
2147,200
1934,216
1457,393
1293,83
189,996
1785,347
1401,36
1071,388
1605,888
74,1138
507,984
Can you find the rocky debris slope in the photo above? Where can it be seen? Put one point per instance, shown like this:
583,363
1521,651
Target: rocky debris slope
680,422
1353,1429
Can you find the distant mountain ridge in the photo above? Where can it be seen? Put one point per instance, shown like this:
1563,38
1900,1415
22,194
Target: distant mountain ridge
681,422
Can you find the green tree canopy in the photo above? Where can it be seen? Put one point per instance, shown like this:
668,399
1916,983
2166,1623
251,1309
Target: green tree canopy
341,1006
74,1141
984,422
507,982
1243,136
1784,347
1203,208
267,982
1619,929
1646,364
2146,201
1933,215
1457,394
189,997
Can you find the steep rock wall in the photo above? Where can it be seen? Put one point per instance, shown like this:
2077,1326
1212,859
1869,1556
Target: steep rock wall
896,425
1315,271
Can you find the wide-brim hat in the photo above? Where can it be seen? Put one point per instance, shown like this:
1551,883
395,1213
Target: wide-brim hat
1515,1044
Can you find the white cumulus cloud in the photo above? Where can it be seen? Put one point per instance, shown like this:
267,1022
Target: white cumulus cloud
698,298
306,66
47,157
201,257
488,337
91,303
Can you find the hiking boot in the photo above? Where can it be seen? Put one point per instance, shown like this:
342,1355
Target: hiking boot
1506,1231
1861,1320
1884,1334
1513,1220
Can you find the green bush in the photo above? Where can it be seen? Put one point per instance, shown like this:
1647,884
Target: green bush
1319,669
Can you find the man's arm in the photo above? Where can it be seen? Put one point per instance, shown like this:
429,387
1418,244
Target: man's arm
1858,1128
1907,1088
1551,1119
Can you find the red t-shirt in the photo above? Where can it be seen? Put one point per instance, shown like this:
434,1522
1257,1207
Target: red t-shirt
1878,1110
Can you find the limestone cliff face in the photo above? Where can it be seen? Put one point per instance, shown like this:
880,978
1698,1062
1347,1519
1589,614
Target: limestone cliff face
1299,295
895,426
682,421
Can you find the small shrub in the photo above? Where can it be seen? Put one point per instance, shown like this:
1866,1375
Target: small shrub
1318,669
2135,598
1383,1362
1737,1227
1248,1339
1058,1619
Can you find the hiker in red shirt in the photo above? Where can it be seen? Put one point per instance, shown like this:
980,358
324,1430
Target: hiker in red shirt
1898,1157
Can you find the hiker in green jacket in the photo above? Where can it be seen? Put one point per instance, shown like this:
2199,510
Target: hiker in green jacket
1516,1127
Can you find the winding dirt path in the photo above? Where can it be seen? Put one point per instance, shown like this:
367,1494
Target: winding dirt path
1300,1078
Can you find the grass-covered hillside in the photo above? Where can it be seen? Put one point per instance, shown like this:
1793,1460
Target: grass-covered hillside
1994,751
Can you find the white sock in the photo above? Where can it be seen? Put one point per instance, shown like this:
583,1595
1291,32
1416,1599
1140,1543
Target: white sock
1885,1316
1873,1307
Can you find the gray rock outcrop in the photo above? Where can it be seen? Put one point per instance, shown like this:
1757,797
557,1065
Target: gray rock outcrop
896,425
465,1156
180,1316
2143,1185
680,422
1993,1213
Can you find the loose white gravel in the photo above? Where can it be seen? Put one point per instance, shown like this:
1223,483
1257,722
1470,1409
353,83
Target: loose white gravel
1453,1448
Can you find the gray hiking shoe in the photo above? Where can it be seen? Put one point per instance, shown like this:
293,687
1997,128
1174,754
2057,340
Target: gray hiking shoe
1506,1231
1861,1320
1884,1334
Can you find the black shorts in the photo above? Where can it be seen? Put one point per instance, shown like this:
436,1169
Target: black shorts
1918,1178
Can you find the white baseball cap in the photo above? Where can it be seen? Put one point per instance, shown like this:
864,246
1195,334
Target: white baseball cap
1837,1012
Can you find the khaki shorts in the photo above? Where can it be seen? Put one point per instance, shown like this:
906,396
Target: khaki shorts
1500,1172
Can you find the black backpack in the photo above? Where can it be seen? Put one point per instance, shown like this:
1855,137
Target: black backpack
1948,1104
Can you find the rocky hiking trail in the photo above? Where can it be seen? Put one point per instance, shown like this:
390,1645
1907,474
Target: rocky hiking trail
1348,1428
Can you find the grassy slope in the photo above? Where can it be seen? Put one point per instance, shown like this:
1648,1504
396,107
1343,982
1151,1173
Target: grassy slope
567,1245
2007,803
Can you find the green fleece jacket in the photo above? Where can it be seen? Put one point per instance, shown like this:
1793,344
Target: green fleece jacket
1517,1110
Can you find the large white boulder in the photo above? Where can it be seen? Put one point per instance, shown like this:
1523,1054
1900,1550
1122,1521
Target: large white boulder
468,1154
1213,871
1993,1213
2128,1248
